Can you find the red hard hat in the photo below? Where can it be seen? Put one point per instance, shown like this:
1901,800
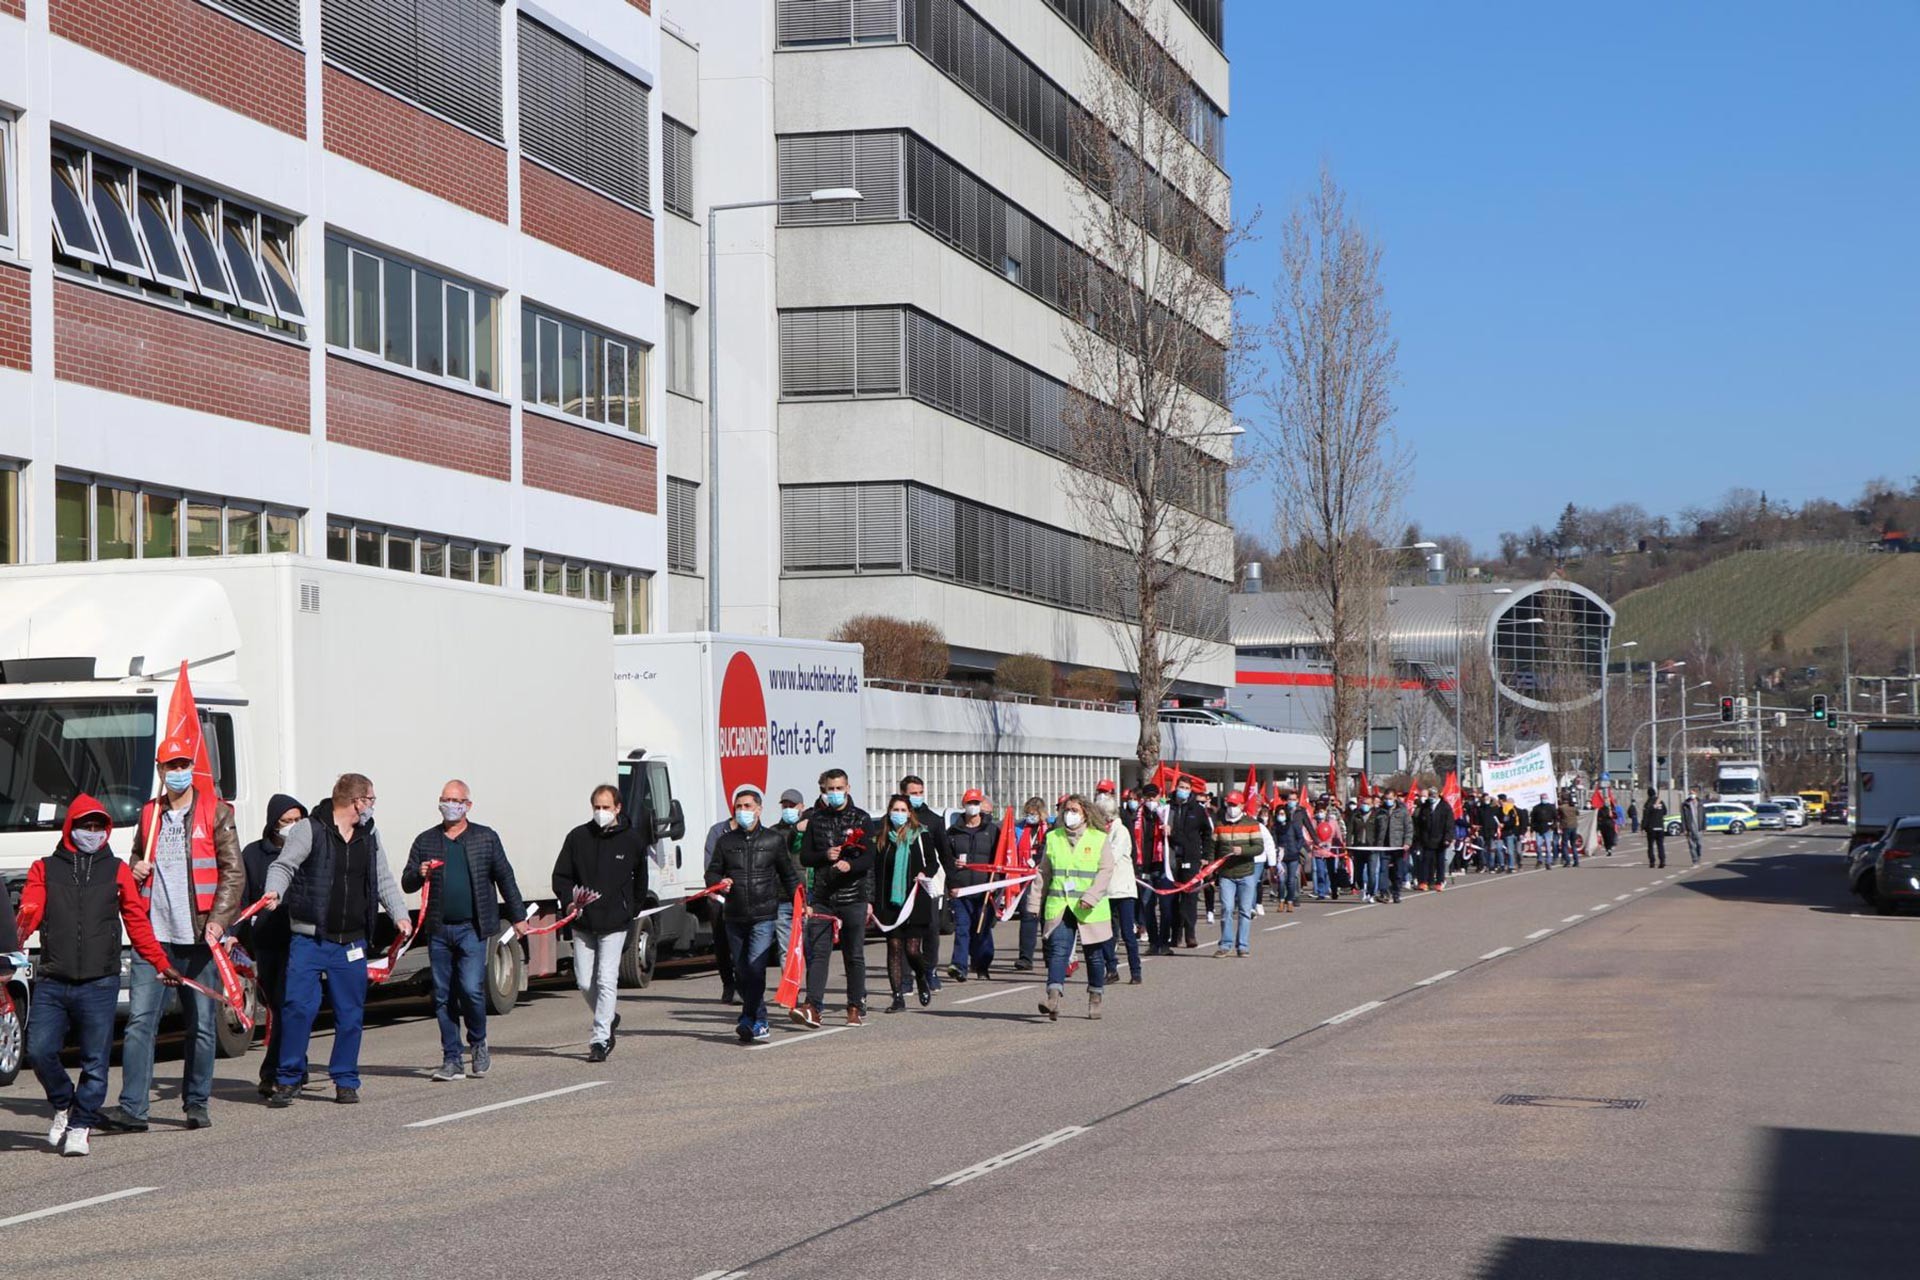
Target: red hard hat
973,796
173,749
1235,797
1107,785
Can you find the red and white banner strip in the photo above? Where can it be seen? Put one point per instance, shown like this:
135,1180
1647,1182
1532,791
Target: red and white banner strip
989,886
380,970
1198,876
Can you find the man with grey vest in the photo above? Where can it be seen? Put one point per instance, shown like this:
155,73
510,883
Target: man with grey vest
333,874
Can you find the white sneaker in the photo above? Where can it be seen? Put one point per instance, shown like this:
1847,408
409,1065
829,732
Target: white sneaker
1209,917
58,1129
76,1144
1259,908
1366,897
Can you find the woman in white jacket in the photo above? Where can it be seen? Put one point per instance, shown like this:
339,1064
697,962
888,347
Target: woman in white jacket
1123,893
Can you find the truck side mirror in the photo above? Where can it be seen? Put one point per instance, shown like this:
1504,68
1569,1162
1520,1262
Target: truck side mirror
676,821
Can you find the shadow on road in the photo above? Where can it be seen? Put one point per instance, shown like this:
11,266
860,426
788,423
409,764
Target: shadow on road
1815,880
1835,1204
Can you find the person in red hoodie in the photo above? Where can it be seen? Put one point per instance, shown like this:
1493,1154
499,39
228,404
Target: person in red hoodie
78,897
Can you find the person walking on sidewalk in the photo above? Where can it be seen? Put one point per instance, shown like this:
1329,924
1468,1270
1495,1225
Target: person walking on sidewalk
1693,820
972,840
266,936
1076,872
607,855
1123,892
463,918
79,897
756,860
1394,831
1238,840
1653,821
1545,819
905,863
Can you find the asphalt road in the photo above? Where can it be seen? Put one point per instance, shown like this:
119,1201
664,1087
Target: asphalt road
1602,1072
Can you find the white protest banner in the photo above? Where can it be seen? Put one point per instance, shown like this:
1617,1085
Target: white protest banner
1525,779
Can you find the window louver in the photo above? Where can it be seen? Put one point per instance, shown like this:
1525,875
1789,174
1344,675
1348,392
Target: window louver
583,116
442,54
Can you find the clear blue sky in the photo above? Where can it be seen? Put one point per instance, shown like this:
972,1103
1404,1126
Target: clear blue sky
1634,251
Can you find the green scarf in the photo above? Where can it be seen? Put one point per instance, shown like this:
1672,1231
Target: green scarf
903,838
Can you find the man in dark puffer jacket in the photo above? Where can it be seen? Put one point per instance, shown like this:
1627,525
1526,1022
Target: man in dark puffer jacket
756,860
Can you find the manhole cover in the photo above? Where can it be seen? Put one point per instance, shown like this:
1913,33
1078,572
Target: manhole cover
1569,1104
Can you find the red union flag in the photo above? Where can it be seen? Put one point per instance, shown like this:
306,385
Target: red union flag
183,725
1450,792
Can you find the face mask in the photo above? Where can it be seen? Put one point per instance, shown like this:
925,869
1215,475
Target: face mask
1233,813
897,818
1031,820
452,810
1132,805
1366,808
1073,819
918,802
834,799
1183,793
603,817
973,811
789,815
366,816
747,818
179,779
89,841
285,827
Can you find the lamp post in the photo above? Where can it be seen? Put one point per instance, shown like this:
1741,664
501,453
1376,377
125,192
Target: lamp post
1653,711
824,195
1459,683
1606,678
1686,773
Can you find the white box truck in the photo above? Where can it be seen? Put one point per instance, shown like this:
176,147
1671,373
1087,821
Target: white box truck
1883,772
698,714
304,669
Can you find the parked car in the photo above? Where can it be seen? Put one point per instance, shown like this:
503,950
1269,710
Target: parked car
1769,816
1795,807
1886,872
1729,816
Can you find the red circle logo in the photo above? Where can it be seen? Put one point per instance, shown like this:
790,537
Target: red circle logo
744,737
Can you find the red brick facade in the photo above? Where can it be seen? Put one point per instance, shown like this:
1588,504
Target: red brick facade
376,129
16,331
584,463
644,6
15,8
117,343
569,216
406,417
196,47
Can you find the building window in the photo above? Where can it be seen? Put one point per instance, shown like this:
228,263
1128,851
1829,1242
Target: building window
8,241
583,372
840,353
583,116
9,511
282,17
874,164
683,525
96,518
412,316
381,546
676,167
628,591
811,23
683,377
123,222
442,54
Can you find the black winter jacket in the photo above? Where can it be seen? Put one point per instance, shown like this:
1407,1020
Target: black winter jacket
970,844
1189,836
1544,817
1433,825
826,831
487,869
612,860
761,869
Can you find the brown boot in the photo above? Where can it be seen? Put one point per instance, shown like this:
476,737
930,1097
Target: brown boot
1093,1005
805,1014
854,1018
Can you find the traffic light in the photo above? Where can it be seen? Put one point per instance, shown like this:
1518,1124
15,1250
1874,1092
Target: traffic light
1726,709
1820,707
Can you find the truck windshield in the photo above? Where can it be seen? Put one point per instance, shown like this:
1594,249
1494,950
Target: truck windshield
51,751
1739,786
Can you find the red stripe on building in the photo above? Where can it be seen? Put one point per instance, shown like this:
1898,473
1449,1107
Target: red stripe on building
1311,680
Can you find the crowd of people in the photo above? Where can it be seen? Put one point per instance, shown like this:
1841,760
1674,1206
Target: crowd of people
789,886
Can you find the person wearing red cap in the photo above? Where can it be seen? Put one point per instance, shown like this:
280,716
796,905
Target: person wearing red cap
186,860
79,897
1237,843
971,839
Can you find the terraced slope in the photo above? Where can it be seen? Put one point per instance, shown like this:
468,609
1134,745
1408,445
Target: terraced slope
1750,597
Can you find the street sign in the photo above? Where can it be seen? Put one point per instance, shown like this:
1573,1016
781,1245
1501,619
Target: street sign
1620,762
1383,751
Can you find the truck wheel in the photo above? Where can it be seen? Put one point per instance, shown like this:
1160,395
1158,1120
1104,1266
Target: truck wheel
13,1040
638,956
504,966
230,1039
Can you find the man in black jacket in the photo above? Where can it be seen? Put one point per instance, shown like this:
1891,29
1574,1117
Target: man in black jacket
1433,836
266,936
839,889
756,860
462,918
914,788
1189,841
971,839
1545,819
604,854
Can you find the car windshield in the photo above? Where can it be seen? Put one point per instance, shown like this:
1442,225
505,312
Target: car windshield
1905,840
1774,809
51,751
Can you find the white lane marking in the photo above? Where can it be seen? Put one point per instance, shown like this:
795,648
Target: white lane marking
1275,928
1342,911
1602,907
501,1106
1621,897
1643,888
1575,916
1441,976
1496,953
1006,1158
88,1203
811,1035
1538,934
721,1275
1354,1012
1221,1068
1004,991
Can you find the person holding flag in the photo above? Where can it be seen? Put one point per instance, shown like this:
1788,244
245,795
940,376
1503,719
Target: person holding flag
1076,871
186,860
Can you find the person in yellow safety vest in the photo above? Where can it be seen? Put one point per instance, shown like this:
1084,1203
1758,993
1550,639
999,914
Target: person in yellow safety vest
1076,870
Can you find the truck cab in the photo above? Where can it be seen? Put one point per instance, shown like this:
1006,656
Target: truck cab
646,798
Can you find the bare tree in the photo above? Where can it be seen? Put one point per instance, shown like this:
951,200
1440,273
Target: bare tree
1154,360
1335,464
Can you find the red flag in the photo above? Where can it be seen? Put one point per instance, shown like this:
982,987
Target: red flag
793,974
1253,791
1005,846
1333,777
183,723
1361,790
1450,792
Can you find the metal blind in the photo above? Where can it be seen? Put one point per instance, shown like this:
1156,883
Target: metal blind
583,116
282,17
443,54
824,22
843,528
841,352
676,167
683,502
870,162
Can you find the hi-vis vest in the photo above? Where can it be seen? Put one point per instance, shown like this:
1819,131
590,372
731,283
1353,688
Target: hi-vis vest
1074,868
202,866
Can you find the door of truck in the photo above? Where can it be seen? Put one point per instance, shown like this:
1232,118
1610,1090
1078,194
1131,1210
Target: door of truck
647,797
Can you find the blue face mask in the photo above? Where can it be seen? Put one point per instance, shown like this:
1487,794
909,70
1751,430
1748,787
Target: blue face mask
747,818
179,779
835,799
897,818
918,802
789,815
1183,793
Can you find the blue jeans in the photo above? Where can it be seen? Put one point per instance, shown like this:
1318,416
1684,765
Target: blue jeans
1290,882
1510,852
458,954
1693,844
1060,940
973,934
1322,877
1236,912
307,959
1569,848
752,943
1125,923
1377,873
86,1009
147,1000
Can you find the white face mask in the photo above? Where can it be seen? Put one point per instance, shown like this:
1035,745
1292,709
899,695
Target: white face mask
89,841
452,810
1233,813
603,817
1073,819
973,811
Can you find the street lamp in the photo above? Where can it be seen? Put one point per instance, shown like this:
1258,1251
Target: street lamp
1606,678
1686,774
823,195
1653,712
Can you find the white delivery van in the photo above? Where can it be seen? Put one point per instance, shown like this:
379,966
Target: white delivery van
304,669
698,714
1883,773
